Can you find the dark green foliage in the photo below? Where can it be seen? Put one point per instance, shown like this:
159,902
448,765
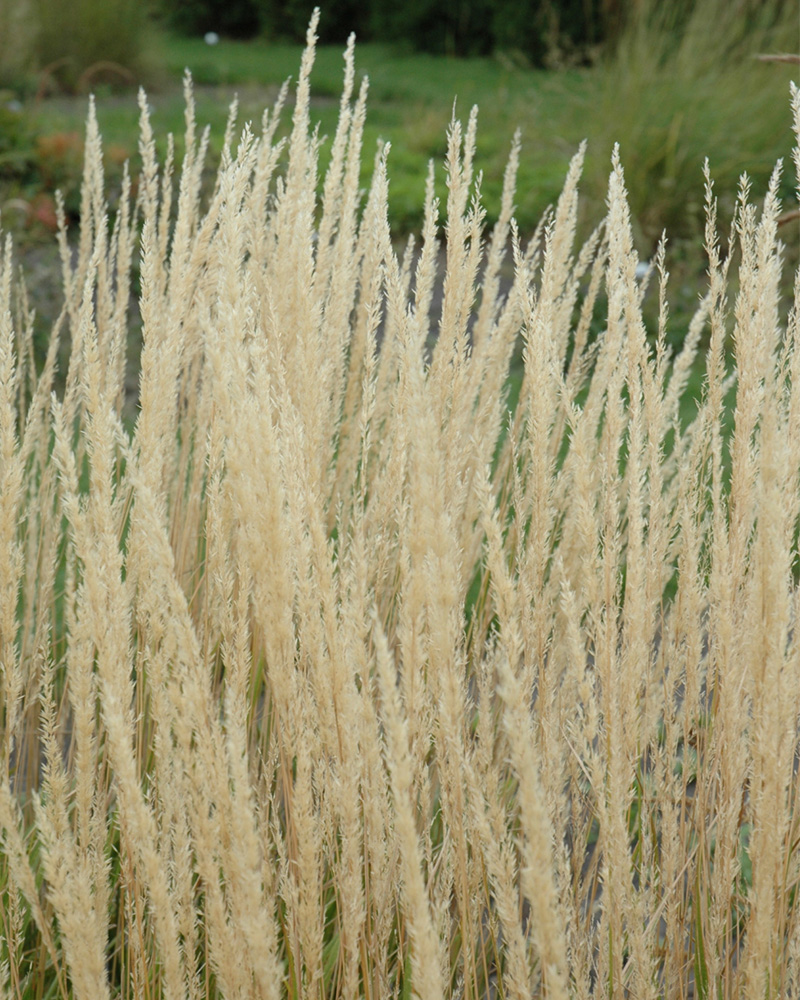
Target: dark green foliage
457,27
539,32
288,19
16,142
551,32
234,18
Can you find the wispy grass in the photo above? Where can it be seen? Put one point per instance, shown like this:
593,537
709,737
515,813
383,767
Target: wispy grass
332,678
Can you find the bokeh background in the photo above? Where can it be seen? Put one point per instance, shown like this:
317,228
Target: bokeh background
673,81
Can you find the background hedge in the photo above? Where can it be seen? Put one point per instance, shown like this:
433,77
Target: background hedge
541,31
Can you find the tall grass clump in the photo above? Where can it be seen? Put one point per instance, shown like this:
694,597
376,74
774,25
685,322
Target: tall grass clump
329,677
658,95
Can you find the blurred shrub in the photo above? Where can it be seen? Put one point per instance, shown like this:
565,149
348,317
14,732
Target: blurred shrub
460,27
289,19
284,19
17,152
16,40
552,32
73,45
34,164
542,32
59,157
82,42
42,212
